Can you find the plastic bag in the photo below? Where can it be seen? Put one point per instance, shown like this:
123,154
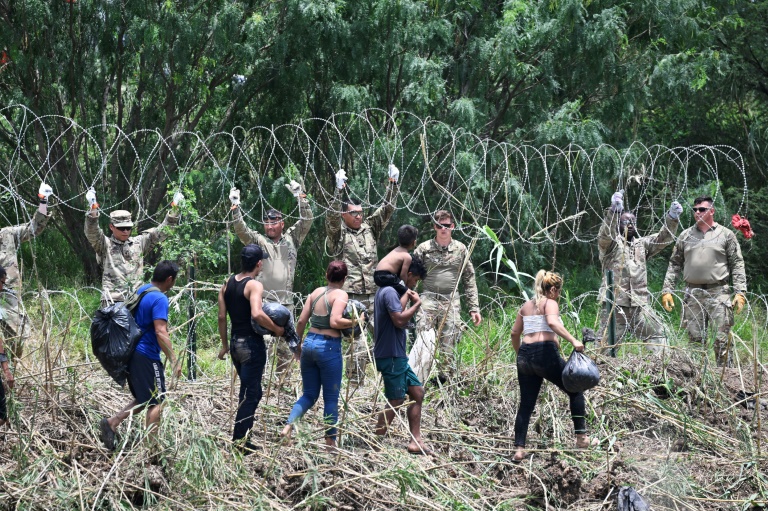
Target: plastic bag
114,336
355,310
281,316
629,500
580,373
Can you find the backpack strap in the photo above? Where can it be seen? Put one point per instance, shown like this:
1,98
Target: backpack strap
133,301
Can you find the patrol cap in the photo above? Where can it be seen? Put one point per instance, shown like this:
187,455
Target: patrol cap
253,254
273,214
120,218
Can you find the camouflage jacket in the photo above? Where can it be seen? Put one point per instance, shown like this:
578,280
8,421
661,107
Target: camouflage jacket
707,258
358,248
445,265
10,240
278,271
628,259
123,262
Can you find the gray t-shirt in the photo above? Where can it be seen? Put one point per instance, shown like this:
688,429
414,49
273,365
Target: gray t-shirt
389,340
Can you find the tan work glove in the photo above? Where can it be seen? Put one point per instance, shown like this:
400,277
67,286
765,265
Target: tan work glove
667,301
738,303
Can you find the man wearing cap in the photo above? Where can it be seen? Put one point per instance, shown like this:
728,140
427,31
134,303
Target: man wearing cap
282,250
448,263
625,252
241,298
707,256
122,255
14,324
354,241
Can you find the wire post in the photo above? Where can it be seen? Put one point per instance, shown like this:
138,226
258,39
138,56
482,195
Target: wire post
192,328
609,303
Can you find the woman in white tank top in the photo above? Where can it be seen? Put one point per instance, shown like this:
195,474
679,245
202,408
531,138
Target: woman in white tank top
535,339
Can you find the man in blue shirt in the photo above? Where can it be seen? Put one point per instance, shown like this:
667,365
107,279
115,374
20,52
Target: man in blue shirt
390,318
146,379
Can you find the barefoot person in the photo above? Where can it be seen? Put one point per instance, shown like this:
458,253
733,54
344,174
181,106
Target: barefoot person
392,270
538,357
391,316
320,352
146,378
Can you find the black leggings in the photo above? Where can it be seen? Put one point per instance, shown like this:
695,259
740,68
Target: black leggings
535,362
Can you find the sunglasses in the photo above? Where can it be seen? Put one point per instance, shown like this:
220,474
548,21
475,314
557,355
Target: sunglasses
272,221
124,229
442,226
355,214
628,222
701,210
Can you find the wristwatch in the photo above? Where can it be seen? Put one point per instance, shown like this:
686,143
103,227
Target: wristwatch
3,357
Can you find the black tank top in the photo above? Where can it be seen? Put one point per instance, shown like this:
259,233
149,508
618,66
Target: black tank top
238,307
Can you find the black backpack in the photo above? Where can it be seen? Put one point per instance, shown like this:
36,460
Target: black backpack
115,334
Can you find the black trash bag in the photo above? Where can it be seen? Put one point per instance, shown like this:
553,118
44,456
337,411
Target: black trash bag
580,373
629,500
349,313
114,336
281,316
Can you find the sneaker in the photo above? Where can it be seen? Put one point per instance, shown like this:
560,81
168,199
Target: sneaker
106,434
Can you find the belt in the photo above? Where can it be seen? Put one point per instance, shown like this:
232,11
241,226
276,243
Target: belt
708,286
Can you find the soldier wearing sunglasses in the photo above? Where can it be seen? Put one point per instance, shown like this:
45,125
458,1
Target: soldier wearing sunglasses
625,252
447,261
707,256
353,239
121,255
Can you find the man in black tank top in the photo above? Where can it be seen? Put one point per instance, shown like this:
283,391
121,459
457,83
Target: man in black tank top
241,299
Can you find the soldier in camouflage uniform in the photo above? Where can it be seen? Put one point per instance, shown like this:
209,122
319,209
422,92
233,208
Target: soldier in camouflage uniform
282,247
121,255
447,261
706,256
624,252
14,323
352,240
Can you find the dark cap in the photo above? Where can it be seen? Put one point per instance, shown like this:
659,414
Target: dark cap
253,253
273,214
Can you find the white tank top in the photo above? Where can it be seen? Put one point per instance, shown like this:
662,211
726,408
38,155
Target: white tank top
536,323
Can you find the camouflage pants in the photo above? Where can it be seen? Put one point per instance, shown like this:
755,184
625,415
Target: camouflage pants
14,324
359,353
278,349
640,322
436,311
710,309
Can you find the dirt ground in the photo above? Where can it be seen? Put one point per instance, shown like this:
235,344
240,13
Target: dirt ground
684,435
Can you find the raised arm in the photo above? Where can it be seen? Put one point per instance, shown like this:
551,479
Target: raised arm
608,229
300,229
659,241
151,237
381,217
243,232
333,225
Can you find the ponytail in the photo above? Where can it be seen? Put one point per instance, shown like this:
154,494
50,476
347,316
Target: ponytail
546,280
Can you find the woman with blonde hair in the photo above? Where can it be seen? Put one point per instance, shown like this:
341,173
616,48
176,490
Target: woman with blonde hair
535,340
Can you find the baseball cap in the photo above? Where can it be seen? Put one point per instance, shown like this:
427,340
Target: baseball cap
273,214
120,218
253,253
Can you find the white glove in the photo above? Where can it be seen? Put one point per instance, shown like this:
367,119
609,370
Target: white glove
45,191
178,198
234,196
294,188
90,196
341,179
394,173
617,201
674,210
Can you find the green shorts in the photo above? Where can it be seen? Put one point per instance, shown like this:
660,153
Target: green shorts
398,376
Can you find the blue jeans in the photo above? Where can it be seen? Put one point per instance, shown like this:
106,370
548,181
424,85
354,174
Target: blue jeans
321,364
249,356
